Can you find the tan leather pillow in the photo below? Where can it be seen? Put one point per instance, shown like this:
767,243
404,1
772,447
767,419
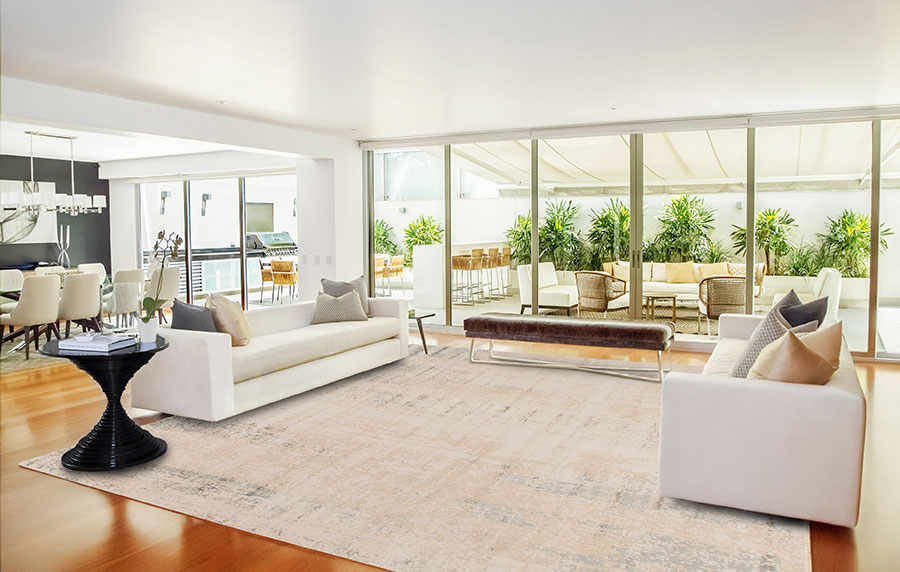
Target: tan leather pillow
229,319
805,358
716,269
680,272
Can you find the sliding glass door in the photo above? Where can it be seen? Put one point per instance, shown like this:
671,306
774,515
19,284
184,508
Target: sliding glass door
887,338
215,239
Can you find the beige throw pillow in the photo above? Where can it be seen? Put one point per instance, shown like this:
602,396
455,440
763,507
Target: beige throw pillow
229,319
680,272
716,269
805,358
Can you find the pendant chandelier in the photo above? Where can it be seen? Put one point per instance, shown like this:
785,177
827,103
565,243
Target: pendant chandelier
32,199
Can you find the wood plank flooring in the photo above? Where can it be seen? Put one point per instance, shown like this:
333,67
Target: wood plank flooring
48,524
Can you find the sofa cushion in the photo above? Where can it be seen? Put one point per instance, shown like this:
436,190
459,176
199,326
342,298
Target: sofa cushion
563,295
679,272
621,270
229,319
770,329
811,360
337,288
716,269
723,357
668,288
275,352
191,317
658,272
346,308
808,312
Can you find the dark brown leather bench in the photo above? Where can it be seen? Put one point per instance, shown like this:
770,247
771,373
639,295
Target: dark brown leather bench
571,331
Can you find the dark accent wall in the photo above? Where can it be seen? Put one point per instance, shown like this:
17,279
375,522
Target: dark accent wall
90,232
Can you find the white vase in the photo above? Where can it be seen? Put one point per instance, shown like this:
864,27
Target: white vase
147,330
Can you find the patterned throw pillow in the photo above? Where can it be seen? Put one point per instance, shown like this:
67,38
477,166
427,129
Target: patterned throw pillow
770,329
346,308
336,288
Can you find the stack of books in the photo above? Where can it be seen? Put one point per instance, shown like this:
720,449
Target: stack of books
97,343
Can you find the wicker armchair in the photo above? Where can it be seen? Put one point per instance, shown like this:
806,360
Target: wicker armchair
720,295
597,289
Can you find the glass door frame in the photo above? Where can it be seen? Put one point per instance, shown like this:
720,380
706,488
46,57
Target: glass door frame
636,198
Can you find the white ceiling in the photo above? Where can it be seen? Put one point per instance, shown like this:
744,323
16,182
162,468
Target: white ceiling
95,147
368,69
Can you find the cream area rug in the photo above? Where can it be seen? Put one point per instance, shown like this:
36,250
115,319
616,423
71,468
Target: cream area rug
434,463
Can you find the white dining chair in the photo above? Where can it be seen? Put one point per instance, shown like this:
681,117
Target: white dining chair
45,270
94,268
124,302
38,306
10,281
80,301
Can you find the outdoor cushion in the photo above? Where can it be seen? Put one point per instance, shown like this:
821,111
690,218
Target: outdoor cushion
563,295
669,288
679,272
717,269
274,352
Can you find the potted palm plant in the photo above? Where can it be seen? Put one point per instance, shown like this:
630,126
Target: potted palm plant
165,249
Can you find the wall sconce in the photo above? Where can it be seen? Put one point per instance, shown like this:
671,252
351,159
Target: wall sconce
402,210
206,197
163,195
295,207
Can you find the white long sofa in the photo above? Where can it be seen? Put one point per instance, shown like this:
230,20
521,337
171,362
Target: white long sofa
780,448
203,377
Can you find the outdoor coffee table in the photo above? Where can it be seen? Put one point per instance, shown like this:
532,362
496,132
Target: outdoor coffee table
650,301
116,441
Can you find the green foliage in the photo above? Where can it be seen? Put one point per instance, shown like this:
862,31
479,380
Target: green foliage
686,224
717,252
518,236
384,243
846,241
610,234
773,237
560,243
805,260
422,231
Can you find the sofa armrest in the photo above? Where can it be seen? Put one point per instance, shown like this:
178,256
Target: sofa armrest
780,448
190,378
393,308
739,326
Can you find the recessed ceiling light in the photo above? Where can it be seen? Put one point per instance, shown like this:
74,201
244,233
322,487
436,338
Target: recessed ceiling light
221,102
612,108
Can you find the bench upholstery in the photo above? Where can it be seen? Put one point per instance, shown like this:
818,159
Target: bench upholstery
570,331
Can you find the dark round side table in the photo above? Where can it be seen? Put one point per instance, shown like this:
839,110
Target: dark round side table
116,441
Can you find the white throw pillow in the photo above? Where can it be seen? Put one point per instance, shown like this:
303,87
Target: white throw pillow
659,271
621,270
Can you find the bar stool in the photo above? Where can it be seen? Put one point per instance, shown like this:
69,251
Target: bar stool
476,268
493,268
505,258
461,266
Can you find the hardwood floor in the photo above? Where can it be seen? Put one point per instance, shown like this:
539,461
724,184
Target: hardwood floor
49,524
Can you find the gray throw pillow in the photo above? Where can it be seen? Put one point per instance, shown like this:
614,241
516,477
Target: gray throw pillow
770,329
803,313
190,317
346,308
337,288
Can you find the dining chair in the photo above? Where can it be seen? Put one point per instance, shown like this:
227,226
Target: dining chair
80,302
283,274
124,301
45,270
97,268
10,281
395,268
38,306
381,272
169,291
266,274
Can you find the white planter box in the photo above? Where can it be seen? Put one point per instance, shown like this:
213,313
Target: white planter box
853,290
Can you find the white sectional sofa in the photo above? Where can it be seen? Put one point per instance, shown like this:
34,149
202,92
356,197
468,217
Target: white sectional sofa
781,448
203,377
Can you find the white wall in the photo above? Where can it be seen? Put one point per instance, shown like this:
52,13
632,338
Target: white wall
123,233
